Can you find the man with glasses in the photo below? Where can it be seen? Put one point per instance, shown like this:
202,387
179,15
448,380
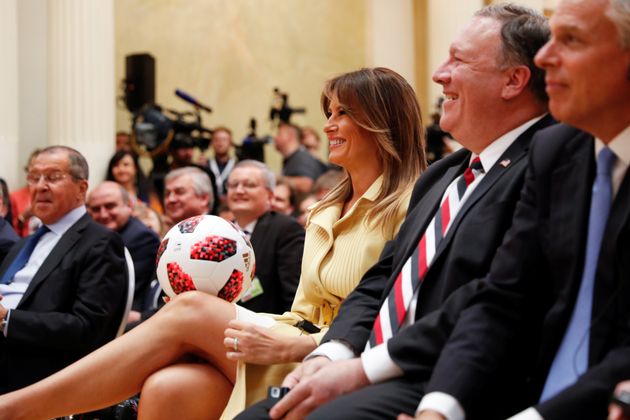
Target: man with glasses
64,287
277,239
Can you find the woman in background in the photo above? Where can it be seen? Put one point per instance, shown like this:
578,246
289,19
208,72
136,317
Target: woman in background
124,169
200,353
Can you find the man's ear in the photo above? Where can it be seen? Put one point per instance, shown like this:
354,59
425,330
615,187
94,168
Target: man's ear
517,78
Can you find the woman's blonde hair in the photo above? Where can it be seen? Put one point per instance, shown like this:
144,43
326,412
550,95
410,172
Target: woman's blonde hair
383,103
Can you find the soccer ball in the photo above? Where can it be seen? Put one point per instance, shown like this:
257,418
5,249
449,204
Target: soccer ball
205,253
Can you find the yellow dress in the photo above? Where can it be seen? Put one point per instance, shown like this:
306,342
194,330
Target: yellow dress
337,252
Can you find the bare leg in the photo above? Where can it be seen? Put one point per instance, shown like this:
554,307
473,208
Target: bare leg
192,323
186,391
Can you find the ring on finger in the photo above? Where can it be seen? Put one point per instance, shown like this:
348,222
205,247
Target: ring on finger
235,344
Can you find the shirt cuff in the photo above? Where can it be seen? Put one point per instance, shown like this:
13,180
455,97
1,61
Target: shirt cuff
529,414
378,366
334,350
444,404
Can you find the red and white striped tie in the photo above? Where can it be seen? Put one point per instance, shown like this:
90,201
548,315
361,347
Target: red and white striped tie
394,308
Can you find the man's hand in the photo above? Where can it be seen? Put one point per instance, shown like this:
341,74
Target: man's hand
615,410
330,381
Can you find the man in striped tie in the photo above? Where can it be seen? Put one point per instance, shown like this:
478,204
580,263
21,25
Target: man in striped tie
459,211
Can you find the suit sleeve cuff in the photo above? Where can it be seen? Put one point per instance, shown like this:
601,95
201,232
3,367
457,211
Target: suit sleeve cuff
334,350
378,365
529,414
444,404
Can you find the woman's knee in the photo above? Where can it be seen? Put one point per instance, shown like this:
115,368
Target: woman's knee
195,389
191,305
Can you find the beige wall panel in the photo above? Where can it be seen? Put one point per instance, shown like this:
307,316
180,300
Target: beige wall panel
230,54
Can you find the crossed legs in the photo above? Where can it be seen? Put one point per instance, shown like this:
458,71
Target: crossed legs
192,324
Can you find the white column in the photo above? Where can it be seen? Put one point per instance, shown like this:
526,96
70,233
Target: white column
390,37
9,98
81,88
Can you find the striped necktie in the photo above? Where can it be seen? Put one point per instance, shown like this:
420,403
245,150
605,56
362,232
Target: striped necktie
394,309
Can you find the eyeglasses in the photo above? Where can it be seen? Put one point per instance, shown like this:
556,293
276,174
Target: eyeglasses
51,178
248,185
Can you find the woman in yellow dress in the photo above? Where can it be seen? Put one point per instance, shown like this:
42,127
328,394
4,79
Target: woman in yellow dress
200,356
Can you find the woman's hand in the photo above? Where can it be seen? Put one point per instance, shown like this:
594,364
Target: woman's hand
259,345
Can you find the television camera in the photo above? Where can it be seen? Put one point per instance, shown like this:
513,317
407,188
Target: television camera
156,130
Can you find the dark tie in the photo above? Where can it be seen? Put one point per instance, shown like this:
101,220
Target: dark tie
571,360
22,257
394,309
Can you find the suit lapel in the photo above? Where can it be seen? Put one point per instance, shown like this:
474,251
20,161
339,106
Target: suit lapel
67,241
261,227
423,213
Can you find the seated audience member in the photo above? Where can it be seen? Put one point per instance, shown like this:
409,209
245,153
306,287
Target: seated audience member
151,219
187,193
123,141
110,205
180,153
436,140
459,212
64,288
8,237
298,165
21,205
242,351
326,182
124,169
304,208
225,213
562,273
311,141
277,239
284,199
222,162
5,205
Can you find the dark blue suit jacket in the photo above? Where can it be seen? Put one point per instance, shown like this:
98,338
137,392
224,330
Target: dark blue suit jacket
7,238
142,243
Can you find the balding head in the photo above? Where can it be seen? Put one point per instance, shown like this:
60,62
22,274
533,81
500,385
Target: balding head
109,205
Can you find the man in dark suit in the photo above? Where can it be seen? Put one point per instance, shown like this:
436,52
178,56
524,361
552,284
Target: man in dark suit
277,239
64,288
7,235
563,271
109,204
495,101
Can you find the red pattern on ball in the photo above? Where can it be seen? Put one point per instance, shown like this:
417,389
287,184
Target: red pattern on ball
160,251
213,248
232,287
189,225
179,280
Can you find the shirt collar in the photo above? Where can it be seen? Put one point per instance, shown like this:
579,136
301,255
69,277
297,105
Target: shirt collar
67,220
620,145
495,150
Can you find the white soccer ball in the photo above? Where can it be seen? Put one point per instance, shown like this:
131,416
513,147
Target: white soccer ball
205,253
